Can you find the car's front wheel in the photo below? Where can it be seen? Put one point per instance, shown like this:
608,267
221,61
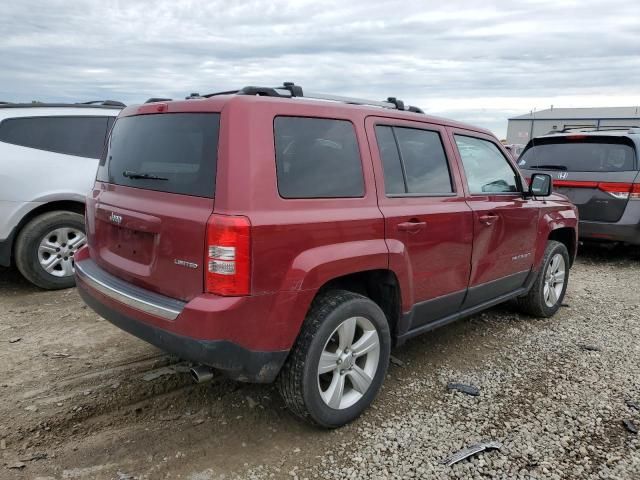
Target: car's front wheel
339,360
45,248
546,295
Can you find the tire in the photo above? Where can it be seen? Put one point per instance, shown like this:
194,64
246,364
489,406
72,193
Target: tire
536,302
299,383
36,245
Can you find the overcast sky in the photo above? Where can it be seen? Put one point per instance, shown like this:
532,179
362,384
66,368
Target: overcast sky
479,62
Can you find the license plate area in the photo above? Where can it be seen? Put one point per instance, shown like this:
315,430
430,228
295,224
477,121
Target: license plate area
131,244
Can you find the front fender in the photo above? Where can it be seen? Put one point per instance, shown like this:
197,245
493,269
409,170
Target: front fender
550,220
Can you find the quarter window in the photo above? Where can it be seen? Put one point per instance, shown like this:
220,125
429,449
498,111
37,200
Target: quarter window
79,136
414,161
317,158
487,170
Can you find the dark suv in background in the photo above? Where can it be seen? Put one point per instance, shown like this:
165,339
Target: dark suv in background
598,170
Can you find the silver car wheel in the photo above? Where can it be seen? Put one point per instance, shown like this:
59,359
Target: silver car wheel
554,280
56,250
348,363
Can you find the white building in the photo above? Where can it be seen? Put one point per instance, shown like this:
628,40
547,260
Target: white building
521,129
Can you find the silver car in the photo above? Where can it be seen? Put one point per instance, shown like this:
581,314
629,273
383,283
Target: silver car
48,160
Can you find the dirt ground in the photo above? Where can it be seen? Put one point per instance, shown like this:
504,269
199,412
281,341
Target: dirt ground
80,399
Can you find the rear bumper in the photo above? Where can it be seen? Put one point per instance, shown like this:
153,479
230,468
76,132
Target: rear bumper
626,230
5,251
169,324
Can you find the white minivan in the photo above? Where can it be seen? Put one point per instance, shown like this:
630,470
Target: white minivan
48,160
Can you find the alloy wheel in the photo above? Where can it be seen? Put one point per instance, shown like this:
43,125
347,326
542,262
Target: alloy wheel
348,363
554,280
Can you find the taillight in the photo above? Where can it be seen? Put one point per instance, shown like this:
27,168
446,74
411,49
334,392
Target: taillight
228,255
616,189
619,190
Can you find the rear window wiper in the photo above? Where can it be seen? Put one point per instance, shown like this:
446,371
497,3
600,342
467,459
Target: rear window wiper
145,176
548,167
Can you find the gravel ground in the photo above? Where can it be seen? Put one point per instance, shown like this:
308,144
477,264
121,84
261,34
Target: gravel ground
81,399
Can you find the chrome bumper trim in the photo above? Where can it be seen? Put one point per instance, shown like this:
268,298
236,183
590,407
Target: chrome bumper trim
135,297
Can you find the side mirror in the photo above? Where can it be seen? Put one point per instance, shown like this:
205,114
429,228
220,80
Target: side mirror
540,185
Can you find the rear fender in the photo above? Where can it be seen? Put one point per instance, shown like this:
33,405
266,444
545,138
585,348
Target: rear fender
314,268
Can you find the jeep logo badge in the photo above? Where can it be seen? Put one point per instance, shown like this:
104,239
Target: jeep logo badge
562,175
115,218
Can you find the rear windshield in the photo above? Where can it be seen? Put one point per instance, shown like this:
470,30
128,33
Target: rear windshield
176,152
584,155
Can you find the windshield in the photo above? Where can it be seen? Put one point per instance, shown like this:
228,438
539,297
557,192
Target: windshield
175,153
584,155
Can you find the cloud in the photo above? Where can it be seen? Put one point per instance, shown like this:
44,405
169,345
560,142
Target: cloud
474,62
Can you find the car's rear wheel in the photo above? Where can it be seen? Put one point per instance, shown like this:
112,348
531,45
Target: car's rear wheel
46,246
546,295
339,360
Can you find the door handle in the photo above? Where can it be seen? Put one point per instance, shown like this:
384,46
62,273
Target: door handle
489,218
412,226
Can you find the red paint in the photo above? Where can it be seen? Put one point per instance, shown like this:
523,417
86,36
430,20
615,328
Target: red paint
297,246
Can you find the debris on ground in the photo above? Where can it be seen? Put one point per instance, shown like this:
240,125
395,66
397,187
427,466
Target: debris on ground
629,425
15,339
17,466
470,451
252,403
57,355
396,361
464,388
35,457
634,405
161,372
589,348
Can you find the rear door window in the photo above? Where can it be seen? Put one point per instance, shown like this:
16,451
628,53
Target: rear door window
584,155
176,152
486,168
317,158
414,161
393,171
69,135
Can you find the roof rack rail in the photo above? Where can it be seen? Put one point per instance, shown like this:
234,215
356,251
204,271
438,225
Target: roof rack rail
158,99
109,103
291,90
593,128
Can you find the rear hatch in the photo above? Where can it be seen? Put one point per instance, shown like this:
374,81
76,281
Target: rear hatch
154,194
595,171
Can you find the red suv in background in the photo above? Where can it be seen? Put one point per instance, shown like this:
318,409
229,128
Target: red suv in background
271,236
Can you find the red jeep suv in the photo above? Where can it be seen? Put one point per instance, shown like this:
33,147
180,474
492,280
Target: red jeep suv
274,234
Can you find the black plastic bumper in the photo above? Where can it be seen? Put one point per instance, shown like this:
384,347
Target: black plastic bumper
626,230
233,360
5,251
